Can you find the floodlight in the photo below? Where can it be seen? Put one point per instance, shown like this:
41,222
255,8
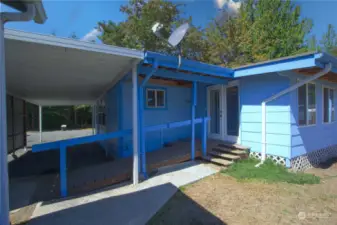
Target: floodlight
156,28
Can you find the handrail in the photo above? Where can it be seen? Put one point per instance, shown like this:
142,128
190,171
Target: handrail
63,144
101,137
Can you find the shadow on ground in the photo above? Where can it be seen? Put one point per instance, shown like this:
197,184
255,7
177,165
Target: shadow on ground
34,176
327,164
133,209
48,162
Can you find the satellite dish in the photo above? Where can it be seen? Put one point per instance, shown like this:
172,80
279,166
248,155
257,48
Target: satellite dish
177,36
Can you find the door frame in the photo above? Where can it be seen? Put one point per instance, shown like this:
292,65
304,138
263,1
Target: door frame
209,89
226,137
223,112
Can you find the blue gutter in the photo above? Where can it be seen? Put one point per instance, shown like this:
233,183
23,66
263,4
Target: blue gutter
188,65
183,76
306,60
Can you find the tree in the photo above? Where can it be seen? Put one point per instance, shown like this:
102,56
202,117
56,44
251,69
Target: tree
329,40
73,36
313,44
262,30
136,31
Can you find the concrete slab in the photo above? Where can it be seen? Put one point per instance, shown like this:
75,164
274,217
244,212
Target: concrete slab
132,205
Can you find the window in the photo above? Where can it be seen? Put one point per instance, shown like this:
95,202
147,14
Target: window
155,98
307,104
328,105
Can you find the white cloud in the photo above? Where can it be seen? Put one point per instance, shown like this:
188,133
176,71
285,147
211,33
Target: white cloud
92,35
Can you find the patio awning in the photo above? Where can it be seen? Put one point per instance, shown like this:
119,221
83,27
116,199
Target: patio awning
48,70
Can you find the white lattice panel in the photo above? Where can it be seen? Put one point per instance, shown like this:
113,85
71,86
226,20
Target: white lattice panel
275,158
313,159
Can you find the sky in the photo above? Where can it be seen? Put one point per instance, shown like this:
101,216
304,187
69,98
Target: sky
81,16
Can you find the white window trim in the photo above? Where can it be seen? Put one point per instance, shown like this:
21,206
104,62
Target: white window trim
334,90
155,90
307,108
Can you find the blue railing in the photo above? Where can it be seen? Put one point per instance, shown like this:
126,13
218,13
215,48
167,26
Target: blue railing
63,144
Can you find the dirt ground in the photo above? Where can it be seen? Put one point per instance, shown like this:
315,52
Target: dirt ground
220,199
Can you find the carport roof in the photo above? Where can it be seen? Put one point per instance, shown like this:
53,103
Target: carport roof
48,70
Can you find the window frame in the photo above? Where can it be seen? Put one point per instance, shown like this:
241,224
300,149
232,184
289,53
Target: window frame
333,100
307,105
155,90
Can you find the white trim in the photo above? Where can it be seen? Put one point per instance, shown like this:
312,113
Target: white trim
307,106
333,100
218,136
223,133
231,138
155,90
71,43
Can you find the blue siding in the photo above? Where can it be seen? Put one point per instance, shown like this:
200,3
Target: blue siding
178,109
306,139
253,90
111,112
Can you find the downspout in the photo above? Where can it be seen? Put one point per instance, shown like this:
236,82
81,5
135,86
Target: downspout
327,69
4,192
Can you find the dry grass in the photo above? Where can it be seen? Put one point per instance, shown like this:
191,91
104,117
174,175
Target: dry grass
221,199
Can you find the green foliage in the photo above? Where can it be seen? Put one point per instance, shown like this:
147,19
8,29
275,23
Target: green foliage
268,172
136,31
329,40
55,116
263,30
313,44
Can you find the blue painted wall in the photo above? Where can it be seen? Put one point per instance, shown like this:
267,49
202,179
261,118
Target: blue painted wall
112,120
253,90
178,109
305,139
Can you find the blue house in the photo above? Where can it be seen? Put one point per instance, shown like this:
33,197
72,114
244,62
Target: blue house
282,109
297,128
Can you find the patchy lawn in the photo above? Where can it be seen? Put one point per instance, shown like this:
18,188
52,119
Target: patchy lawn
269,172
222,199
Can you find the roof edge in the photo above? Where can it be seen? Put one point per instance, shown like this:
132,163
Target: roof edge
71,43
186,64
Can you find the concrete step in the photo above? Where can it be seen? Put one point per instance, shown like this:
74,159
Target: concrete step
218,161
230,151
226,156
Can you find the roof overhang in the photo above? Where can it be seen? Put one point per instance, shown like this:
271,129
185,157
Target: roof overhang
308,63
48,70
187,66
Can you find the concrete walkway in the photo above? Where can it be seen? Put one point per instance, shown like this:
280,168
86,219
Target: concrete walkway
130,205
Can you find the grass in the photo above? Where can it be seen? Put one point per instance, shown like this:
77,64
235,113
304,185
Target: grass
268,172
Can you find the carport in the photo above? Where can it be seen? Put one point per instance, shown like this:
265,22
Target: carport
50,71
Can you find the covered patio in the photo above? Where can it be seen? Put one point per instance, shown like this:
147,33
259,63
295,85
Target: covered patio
55,71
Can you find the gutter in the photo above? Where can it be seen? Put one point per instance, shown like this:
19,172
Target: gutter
327,69
28,15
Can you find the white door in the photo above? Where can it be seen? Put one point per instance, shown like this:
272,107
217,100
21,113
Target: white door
214,105
223,108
